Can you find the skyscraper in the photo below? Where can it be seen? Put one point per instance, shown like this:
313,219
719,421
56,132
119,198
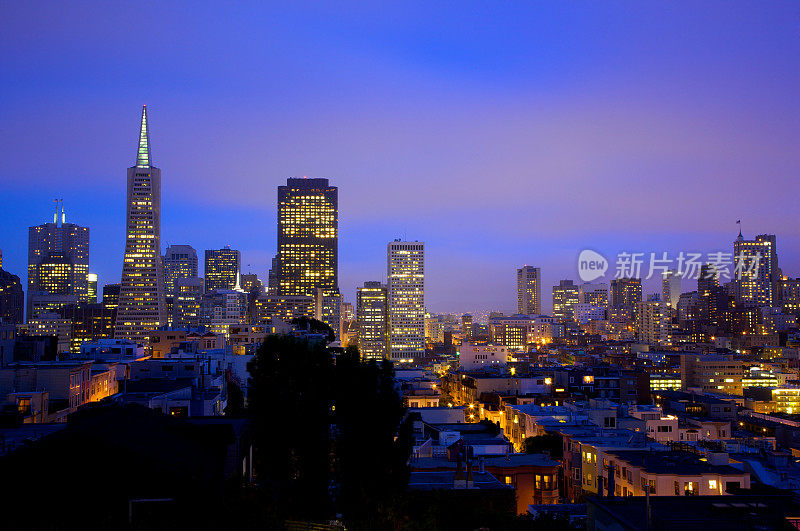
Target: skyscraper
91,280
180,261
58,259
671,288
186,302
529,290
406,291
142,305
111,296
372,314
565,298
624,296
308,244
11,298
223,267
757,284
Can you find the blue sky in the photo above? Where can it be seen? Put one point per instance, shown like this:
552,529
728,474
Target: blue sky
499,135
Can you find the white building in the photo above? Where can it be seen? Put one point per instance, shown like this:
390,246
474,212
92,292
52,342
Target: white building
405,264
474,356
585,312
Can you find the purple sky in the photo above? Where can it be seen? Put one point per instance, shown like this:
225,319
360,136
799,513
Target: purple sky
500,137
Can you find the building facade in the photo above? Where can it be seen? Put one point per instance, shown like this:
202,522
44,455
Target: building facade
222,268
406,291
565,297
180,261
372,315
529,290
142,303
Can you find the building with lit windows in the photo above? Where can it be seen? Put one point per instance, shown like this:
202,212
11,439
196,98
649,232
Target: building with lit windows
59,249
111,296
180,261
712,372
222,308
786,399
308,245
467,326
671,288
624,295
186,302
755,276
11,298
372,315
653,323
91,281
222,270
285,308
662,382
585,312
529,290
406,290
565,297
142,299
789,295
594,294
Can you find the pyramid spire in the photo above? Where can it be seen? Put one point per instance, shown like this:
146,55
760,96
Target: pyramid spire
143,155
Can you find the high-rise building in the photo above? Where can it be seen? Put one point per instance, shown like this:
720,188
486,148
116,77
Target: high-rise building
406,291
372,314
652,322
186,302
625,294
565,298
223,267
593,294
308,244
671,288
11,298
91,282
111,296
222,308
142,304
180,261
467,327
272,277
529,290
755,275
789,295
62,249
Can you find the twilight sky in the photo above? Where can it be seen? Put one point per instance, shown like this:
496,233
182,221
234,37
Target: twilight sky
500,136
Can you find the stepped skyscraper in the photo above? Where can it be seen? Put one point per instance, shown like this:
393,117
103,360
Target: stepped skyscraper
142,306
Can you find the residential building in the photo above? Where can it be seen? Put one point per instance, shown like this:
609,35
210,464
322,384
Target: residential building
529,290
755,277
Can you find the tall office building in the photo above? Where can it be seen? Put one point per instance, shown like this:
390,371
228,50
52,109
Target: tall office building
406,290
372,314
593,294
467,327
223,267
671,288
757,284
186,302
111,296
61,249
529,290
308,244
142,304
625,294
565,298
91,281
180,261
11,298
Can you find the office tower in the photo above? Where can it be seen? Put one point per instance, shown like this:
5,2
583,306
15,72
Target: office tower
88,322
249,282
180,261
624,295
91,282
789,295
11,298
467,328
272,277
286,308
593,294
405,263
142,305
111,296
565,298
58,248
223,267
186,302
671,288
1,259
529,291
308,243
757,283
372,314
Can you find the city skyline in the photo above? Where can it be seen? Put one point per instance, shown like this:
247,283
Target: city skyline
553,131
